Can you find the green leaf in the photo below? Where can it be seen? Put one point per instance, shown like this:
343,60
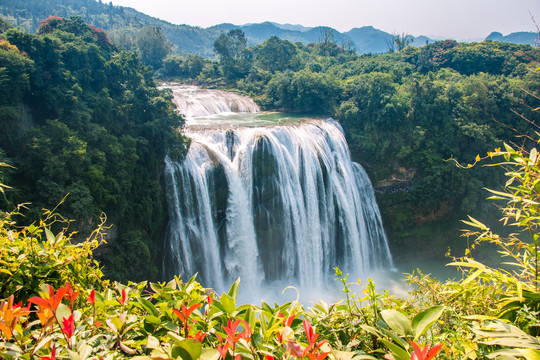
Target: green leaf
425,319
62,311
371,330
171,326
398,322
153,343
155,288
349,355
530,354
154,320
250,317
73,355
227,302
126,349
11,347
357,357
209,354
111,325
233,291
398,352
148,306
43,342
50,236
85,351
187,349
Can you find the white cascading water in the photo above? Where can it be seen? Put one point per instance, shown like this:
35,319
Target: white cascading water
278,205
196,102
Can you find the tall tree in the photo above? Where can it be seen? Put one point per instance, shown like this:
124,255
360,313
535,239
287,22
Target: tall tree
233,55
153,46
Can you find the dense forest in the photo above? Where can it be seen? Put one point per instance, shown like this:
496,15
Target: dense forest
405,113
129,28
81,118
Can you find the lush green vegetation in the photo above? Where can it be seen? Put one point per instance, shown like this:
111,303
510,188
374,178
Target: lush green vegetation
404,114
80,117
489,313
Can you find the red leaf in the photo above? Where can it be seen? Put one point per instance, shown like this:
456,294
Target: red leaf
180,315
123,297
189,310
70,294
68,326
294,349
310,333
56,299
433,351
92,298
39,301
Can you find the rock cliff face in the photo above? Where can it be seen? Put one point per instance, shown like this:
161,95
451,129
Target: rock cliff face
400,176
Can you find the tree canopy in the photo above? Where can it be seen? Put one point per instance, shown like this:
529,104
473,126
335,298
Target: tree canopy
83,118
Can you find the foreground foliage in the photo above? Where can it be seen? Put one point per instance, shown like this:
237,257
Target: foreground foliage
68,311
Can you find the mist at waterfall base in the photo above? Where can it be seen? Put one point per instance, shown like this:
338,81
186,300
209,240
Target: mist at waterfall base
271,199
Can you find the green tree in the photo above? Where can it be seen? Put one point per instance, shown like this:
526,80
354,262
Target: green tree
80,116
398,42
275,54
234,57
153,46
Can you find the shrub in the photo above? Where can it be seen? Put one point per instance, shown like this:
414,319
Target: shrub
33,255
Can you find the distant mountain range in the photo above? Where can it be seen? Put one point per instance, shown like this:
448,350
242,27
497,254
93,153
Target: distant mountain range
195,40
521,37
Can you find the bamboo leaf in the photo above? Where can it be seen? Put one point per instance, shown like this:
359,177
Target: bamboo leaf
473,276
50,236
533,155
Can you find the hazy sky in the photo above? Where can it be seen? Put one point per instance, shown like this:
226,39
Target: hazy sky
456,19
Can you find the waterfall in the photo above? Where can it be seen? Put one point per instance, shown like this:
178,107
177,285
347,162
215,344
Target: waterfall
272,205
193,102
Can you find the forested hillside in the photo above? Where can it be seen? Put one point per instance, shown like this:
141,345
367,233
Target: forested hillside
404,113
129,29
124,25
81,118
